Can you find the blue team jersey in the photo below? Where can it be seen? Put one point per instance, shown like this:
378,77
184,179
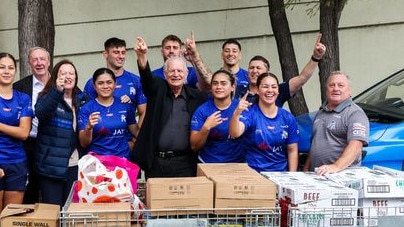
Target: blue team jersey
242,77
11,111
266,139
126,84
109,134
219,147
192,78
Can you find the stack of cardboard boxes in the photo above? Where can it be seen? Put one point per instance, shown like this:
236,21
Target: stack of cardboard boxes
381,193
316,201
219,187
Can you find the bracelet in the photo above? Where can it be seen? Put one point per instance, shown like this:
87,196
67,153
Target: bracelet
315,59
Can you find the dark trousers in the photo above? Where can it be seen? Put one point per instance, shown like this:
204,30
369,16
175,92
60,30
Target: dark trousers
56,191
32,194
179,166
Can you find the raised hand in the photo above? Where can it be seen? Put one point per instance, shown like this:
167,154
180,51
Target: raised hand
243,104
60,82
140,46
214,120
319,48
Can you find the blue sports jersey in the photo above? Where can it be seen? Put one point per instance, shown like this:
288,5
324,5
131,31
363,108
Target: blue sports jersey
219,147
11,111
266,139
126,84
241,77
109,134
192,78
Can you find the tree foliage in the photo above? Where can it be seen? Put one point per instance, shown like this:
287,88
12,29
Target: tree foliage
35,28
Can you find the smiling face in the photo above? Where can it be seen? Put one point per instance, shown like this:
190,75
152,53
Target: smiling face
115,57
170,49
231,55
175,71
104,85
69,73
338,89
39,62
7,70
256,68
222,87
268,89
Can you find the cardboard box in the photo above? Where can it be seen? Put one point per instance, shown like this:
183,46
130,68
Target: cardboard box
282,179
185,193
252,191
372,209
226,169
322,217
40,214
97,214
390,171
370,183
321,196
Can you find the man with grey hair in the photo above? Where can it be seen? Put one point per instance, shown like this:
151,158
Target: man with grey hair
39,61
163,148
340,129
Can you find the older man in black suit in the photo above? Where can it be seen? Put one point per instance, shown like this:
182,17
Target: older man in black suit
39,61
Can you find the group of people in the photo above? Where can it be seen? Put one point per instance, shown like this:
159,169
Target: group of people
166,120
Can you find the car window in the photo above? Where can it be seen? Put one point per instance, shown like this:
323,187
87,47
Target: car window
384,101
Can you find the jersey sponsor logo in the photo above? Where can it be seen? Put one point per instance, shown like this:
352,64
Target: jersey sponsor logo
123,118
118,132
264,146
358,129
270,127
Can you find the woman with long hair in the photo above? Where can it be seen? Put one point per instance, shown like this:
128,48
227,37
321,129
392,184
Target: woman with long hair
270,132
58,149
15,123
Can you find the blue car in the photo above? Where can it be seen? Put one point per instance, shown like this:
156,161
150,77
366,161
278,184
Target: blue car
383,104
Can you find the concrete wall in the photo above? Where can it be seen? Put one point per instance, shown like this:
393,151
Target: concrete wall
371,33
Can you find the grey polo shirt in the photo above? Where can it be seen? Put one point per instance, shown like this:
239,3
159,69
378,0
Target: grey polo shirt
333,129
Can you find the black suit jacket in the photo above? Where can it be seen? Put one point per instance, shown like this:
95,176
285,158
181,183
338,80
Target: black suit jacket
158,108
24,85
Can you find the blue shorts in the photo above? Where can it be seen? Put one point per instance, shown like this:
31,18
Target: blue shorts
15,177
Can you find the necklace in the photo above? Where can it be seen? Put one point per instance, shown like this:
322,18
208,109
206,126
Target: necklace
107,106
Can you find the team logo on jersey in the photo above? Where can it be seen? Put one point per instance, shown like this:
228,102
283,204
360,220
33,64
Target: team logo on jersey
123,118
132,91
331,125
284,134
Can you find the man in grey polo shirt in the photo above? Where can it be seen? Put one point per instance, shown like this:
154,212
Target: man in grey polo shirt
340,130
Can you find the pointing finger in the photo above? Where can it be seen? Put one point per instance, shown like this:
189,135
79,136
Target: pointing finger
319,37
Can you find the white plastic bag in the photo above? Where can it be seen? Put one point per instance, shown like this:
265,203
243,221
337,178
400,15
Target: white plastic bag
98,184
